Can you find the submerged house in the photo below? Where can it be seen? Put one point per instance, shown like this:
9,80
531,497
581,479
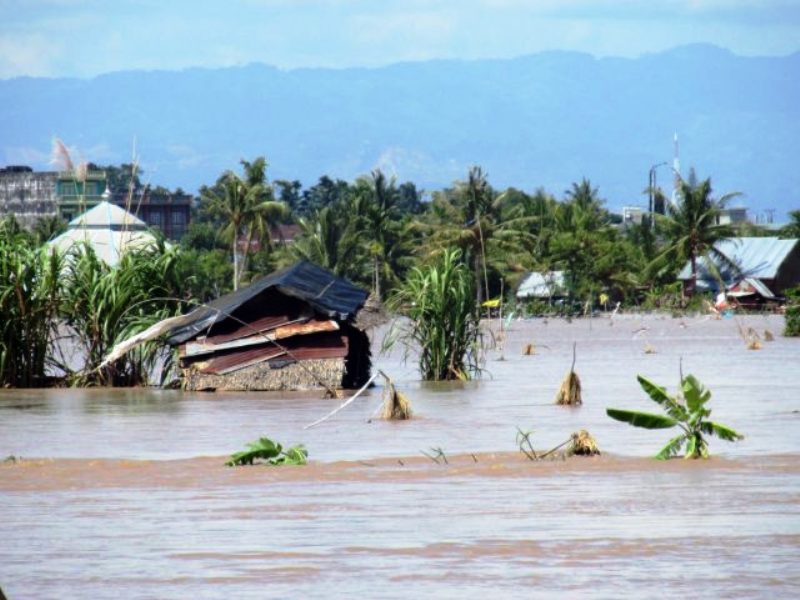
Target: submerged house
766,268
297,328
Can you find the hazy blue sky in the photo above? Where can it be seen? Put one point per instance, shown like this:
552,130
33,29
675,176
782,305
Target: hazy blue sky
86,37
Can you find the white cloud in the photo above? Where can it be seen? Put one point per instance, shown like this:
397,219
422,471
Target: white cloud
88,37
28,54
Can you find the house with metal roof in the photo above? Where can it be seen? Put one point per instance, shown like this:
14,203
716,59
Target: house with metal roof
298,328
765,268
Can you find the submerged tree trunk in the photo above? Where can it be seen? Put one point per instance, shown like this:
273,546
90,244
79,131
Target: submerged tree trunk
377,270
235,264
476,266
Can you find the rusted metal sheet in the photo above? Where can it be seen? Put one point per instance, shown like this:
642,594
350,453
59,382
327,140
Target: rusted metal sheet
279,333
263,324
296,348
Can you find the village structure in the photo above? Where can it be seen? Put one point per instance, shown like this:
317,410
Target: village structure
299,328
761,270
108,229
32,195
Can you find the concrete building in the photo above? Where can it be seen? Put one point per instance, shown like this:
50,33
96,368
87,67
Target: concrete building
27,195
30,196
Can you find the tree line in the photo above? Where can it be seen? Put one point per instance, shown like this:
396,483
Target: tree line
374,230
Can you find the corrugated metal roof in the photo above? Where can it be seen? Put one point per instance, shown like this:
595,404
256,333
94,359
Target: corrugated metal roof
542,285
748,287
757,257
326,293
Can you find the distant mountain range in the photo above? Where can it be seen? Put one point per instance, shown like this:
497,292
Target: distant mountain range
544,120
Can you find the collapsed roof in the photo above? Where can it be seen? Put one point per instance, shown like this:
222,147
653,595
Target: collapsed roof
326,293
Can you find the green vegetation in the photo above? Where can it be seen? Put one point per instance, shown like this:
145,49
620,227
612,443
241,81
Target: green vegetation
31,299
375,231
439,301
792,327
246,209
691,227
687,410
272,453
104,305
49,300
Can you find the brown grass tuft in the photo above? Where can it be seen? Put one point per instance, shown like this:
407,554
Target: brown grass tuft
583,444
396,406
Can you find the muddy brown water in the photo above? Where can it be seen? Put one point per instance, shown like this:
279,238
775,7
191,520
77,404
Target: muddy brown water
123,494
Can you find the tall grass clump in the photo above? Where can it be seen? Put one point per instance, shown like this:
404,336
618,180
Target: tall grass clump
105,305
439,301
30,300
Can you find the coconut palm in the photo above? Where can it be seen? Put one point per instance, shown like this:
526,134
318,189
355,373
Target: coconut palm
692,229
471,218
331,239
247,209
381,224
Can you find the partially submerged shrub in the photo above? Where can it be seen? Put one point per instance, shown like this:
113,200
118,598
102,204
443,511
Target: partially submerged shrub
686,410
439,300
31,298
104,305
272,453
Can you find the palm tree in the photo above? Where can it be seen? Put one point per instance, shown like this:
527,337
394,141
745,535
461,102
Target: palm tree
792,229
331,239
471,218
692,227
246,206
382,223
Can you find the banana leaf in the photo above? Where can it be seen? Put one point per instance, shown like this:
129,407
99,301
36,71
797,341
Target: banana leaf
695,395
264,449
641,419
721,431
672,447
660,396
296,455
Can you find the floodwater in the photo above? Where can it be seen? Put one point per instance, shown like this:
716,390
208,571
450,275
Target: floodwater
123,493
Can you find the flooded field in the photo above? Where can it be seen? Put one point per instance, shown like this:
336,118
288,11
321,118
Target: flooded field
123,493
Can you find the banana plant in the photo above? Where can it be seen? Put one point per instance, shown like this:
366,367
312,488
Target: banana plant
271,452
686,410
